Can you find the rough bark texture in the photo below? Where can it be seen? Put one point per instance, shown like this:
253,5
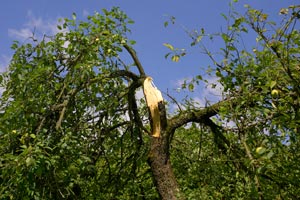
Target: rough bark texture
158,159
162,171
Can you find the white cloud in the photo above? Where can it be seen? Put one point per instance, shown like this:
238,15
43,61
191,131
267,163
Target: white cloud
210,93
36,26
20,34
4,62
213,88
205,93
200,102
180,82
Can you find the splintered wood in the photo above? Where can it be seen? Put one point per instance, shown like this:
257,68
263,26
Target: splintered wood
153,97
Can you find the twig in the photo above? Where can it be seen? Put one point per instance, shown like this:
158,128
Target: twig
174,100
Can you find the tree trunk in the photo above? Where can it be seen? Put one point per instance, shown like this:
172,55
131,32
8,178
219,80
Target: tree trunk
159,161
163,175
158,158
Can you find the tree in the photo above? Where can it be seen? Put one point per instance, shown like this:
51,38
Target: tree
72,126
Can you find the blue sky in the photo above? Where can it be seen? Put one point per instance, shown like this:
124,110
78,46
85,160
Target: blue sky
19,18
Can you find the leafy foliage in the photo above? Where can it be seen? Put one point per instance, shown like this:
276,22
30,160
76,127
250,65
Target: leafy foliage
262,90
64,130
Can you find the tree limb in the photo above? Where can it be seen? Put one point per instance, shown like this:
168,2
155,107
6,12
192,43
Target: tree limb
135,59
132,105
195,115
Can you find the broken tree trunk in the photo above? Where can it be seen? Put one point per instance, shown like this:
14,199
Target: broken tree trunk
158,157
153,98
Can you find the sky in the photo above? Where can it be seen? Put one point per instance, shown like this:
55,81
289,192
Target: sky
19,18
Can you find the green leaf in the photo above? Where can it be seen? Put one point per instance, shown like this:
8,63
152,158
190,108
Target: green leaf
218,73
167,55
173,19
225,37
166,24
29,161
231,48
74,16
168,46
132,42
20,77
199,77
191,87
260,150
269,155
199,38
105,32
272,84
14,46
224,16
175,58
202,31
237,22
130,21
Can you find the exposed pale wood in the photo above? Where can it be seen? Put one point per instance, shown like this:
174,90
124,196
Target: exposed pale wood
153,97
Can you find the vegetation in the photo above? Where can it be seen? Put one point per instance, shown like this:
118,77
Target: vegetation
72,127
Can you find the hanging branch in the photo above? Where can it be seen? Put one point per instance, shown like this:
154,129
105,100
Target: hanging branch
132,106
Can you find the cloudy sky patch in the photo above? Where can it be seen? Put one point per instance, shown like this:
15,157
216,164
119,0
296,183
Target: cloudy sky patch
35,26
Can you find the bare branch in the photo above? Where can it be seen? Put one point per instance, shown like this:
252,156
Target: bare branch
174,100
61,115
132,106
195,115
135,59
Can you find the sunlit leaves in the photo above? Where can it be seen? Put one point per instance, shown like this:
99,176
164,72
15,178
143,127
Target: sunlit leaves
264,83
238,22
65,78
175,52
169,46
15,45
260,150
191,87
175,58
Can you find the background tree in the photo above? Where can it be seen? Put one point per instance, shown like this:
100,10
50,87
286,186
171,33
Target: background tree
72,126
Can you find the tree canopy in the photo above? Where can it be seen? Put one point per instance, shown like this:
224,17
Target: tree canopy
72,126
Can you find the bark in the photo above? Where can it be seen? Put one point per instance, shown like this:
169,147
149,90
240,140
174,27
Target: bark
163,175
158,157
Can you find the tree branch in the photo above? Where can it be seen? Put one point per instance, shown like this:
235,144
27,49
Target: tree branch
124,73
195,115
61,115
219,138
132,105
135,59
